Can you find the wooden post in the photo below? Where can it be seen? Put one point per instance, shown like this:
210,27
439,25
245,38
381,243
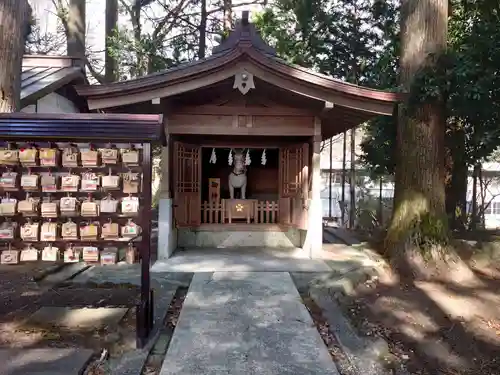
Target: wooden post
352,181
330,181
146,305
166,227
164,166
380,201
314,237
344,152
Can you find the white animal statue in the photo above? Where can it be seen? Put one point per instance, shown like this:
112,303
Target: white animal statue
238,177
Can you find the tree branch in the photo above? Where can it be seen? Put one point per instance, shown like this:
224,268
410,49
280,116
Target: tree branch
97,76
172,13
221,8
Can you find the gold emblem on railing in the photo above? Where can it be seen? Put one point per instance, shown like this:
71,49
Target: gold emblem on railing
239,207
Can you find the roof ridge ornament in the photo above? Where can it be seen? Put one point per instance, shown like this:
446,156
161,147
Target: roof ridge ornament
244,18
243,81
244,33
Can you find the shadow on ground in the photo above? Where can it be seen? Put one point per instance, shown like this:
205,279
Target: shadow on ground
436,327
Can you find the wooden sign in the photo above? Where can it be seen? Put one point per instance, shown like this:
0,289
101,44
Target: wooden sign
214,189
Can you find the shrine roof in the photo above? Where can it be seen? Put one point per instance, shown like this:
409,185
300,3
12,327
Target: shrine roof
243,49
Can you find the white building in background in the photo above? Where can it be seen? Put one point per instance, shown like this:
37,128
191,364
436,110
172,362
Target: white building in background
366,189
369,190
488,194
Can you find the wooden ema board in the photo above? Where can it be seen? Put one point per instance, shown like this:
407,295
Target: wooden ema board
100,152
75,196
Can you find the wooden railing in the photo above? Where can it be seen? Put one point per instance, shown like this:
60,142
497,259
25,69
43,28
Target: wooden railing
213,212
264,212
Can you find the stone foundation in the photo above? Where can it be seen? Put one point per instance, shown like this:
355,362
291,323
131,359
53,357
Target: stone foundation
189,238
167,241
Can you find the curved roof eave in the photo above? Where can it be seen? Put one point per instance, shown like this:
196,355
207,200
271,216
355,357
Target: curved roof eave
190,76
159,78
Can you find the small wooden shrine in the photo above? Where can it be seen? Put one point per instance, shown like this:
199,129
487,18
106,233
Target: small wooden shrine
245,102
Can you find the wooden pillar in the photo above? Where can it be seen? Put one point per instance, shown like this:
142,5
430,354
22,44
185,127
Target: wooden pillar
167,239
352,181
165,173
314,237
343,205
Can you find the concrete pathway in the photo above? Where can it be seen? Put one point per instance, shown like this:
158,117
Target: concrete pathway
245,323
240,259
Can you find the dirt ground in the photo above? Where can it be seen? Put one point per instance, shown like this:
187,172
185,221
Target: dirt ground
20,297
434,328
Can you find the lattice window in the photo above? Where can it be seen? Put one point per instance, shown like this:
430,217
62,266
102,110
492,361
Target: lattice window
187,174
293,173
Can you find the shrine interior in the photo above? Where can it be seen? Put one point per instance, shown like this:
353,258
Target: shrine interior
262,180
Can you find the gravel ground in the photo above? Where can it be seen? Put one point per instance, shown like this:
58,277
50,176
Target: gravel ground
433,328
343,364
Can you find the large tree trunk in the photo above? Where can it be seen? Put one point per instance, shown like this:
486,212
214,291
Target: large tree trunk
14,23
202,44
419,207
228,16
110,63
76,30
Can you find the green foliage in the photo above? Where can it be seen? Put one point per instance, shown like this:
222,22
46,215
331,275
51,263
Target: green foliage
137,59
467,77
298,30
341,38
433,230
379,146
352,40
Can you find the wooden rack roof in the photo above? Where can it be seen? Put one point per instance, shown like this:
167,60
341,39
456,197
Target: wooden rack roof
42,75
85,127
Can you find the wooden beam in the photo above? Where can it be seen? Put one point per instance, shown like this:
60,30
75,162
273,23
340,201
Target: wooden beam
243,110
223,130
229,141
272,143
237,124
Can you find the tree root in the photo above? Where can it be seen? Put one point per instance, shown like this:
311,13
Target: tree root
419,247
438,263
